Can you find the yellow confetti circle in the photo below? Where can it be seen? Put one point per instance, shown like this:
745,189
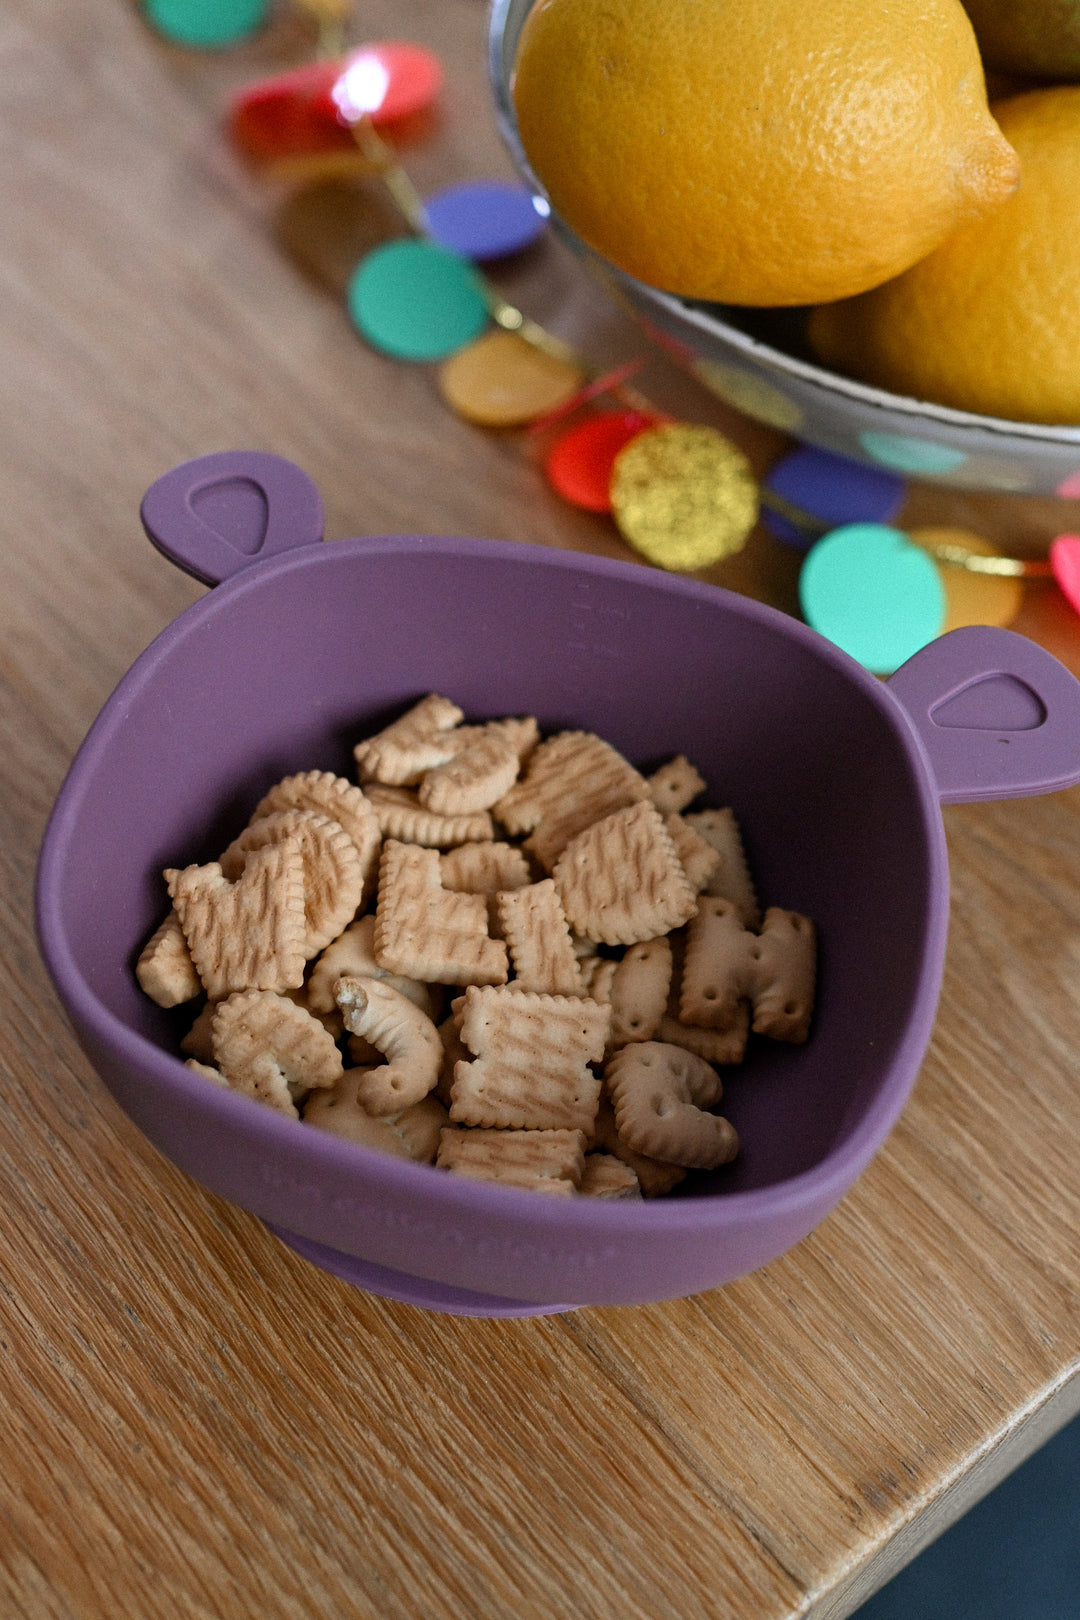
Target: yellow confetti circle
971,598
503,381
683,496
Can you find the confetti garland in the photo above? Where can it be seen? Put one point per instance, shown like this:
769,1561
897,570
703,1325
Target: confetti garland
681,495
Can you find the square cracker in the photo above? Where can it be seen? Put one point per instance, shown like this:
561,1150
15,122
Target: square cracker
530,1068
540,1161
572,780
621,880
423,931
537,936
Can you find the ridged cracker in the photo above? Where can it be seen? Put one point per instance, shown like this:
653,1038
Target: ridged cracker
264,1044
547,1161
474,779
605,1176
731,880
412,1134
247,935
700,861
621,880
208,1072
352,955
661,1094
531,1053
425,932
165,970
597,977
534,927
675,785
483,868
402,816
333,873
572,780
333,796
454,1051
401,753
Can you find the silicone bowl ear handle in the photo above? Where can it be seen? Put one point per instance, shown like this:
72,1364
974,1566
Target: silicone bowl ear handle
219,514
998,716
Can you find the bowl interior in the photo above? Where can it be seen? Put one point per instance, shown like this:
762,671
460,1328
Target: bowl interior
288,665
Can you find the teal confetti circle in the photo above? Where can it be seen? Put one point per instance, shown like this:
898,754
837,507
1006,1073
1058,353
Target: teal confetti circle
874,593
416,301
206,24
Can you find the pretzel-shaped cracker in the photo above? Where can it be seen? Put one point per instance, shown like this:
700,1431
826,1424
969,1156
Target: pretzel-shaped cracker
659,1093
402,1033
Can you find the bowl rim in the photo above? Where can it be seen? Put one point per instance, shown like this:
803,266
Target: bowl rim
817,378
824,1182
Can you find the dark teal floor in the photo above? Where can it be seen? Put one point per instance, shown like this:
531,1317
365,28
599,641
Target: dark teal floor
1014,1556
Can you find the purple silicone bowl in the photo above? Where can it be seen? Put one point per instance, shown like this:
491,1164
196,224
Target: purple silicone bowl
835,776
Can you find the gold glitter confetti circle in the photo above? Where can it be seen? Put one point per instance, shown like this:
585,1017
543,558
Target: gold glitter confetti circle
972,598
683,496
501,380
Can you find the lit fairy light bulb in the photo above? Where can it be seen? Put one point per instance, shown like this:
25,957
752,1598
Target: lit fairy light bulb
361,89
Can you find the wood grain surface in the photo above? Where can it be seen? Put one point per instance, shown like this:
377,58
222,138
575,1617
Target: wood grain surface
193,1420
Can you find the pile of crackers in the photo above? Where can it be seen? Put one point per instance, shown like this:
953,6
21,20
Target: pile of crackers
519,959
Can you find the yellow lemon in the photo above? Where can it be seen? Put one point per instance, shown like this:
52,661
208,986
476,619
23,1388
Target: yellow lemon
990,322
760,151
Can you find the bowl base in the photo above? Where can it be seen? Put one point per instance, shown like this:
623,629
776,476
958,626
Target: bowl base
408,1290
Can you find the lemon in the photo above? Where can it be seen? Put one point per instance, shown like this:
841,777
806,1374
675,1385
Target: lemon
760,151
990,322
1036,37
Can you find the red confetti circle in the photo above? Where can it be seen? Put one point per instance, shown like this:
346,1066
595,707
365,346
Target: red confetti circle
307,111
579,464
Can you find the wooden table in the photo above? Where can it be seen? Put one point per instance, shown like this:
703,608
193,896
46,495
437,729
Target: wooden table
194,1421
